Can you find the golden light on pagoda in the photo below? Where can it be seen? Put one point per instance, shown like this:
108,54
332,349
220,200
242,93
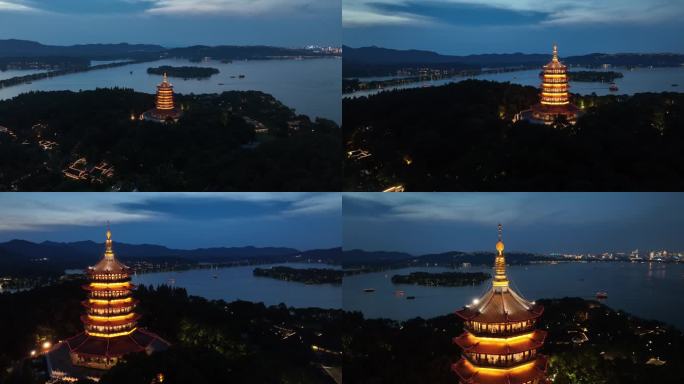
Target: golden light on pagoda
109,308
500,341
555,82
554,96
165,95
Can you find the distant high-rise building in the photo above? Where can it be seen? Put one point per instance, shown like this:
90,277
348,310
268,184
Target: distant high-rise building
110,322
165,109
554,96
500,341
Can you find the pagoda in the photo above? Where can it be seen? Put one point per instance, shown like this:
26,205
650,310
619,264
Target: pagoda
165,110
500,341
555,99
110,322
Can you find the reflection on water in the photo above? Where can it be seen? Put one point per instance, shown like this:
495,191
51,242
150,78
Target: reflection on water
650,291
636,80
312,87
238,283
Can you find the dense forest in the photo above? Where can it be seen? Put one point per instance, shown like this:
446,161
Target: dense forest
214,146
421,351
212,341
461,137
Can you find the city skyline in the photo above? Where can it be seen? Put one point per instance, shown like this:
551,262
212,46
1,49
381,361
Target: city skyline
173,23
422,223
506,26
177,220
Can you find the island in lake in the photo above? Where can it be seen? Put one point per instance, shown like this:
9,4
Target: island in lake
444,279
184,72
594,76
306,276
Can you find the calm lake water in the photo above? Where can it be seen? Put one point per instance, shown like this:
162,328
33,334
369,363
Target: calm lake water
651,291
312,86
634,81
238,283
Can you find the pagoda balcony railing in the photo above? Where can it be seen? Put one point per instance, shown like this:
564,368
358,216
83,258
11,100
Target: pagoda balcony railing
503,361
107,278
502,334
110,294
110,311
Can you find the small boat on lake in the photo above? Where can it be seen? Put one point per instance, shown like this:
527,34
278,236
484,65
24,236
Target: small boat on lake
410,297
613,87
601,295
369,290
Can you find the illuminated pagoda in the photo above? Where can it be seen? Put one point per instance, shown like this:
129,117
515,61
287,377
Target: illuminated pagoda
165,109
500,341
110,322
555,99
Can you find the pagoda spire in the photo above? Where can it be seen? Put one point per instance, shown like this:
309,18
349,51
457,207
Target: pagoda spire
109,252
555,52
500,279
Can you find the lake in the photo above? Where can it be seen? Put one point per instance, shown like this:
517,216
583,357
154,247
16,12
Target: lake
648,290
311,86
634,81
238,283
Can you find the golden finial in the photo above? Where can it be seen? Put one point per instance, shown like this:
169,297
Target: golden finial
108,243
500,244
555,51
500,279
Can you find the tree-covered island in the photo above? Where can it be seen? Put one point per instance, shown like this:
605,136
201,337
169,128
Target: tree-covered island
184,72
306,276
594,76
443,279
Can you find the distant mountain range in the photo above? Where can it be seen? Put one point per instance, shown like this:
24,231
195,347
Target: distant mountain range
23,48
25,257
374,61
357,258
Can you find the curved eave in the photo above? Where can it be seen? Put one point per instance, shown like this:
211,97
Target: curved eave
87,320
471,374
88,304
468,314
472,344
130,287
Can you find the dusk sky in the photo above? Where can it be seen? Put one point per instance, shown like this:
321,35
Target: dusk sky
178,220
289,23
506,26
420,223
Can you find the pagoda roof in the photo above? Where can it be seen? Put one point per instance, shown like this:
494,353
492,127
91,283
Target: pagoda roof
473,344
501,305
138,341
524,373
129,287
105,323
88,304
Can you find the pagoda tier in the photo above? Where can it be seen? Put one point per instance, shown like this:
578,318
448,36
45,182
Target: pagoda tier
499,342
554,96
110,322
165,109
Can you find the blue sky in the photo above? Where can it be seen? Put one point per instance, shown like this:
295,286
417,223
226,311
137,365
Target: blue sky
420,223
178,220
506,26
290,23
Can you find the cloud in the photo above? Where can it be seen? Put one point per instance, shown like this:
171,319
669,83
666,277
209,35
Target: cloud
14,6
236,7
170,7
31,212
360,13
